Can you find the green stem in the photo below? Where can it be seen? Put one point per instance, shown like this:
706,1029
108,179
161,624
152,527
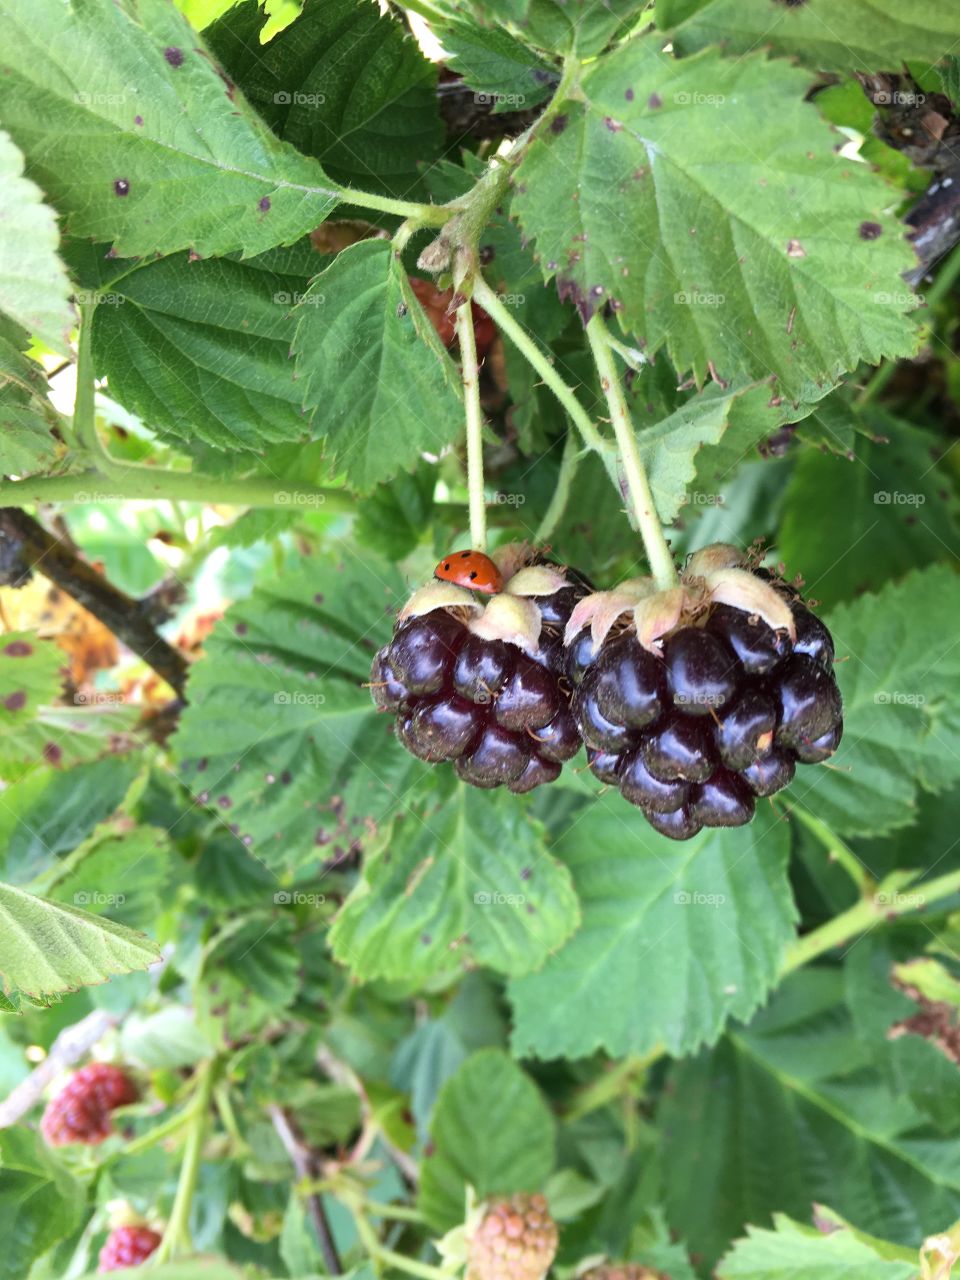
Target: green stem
399,1212
470,377
837,850
410,1265
643,507
506,323
427,215
119,483
84,408
177,1233
561,491
615,1082
887,903
157,1134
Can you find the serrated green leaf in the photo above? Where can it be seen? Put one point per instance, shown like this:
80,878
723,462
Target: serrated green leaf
39,1202
345,83
792,1111
898,668
468,882
558,26
47,947
117,872
675,939
856,36
34,289
781,260
131,131
279,723
794,1252
27,444
497,66
371,364
511,1150
877,518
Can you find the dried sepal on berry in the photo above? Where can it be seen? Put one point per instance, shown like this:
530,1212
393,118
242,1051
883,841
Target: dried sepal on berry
601,610
511,619
438,595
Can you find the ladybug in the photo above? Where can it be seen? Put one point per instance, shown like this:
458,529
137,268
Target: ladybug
470,569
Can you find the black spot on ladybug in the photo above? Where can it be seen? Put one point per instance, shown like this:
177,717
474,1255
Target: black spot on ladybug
18,649
264,204
559,123
173,55
870,230
654,101
121,187
15,701
472,574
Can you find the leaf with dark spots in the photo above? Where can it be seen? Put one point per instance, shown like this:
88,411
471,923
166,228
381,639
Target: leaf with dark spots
18,649
870,230
121,187
15,701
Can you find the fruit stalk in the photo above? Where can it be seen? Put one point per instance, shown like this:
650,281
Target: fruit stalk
470,376
644,509
177,1233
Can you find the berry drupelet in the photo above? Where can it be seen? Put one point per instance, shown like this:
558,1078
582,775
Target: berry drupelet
81,1110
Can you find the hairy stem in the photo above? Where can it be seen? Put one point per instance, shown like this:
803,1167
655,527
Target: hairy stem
470,376
837,850
561,491
84,408
887,903
427,215
643,508
177,1234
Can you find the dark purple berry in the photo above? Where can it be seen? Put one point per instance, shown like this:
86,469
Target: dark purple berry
770,774
758,647
724,800
537,772
596,729
820,749
604,765
482,668
809,701
555,609
580,655
679,748
445,726
702,673
630,687
552,653
640,787
422,650
529,699
813,638
385,689
745,729
680,824
559,739
498,757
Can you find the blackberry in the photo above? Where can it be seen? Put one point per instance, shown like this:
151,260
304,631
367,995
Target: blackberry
127,1247
476,674
80,1112
696,700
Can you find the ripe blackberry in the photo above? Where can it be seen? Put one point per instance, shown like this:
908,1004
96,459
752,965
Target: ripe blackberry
81,1110
476,676
695,700
127,1247
515,1239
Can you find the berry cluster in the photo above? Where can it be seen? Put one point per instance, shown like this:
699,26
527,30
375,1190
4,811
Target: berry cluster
127,1247
484,687
81,1110
515,1239
711,698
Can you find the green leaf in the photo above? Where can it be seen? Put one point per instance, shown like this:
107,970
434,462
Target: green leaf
792,1111
467,882
394,516
47,948
250,975
675,938
559,26
497,66
344,83
795,1252
279,723
202,349
168,1038
370,362
39,1202
120,872
723,263
877,518
27,444
898,668
856,36
34,289
134,135
491,1130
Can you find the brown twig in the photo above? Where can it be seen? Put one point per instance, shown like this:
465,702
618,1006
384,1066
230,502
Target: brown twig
25,544
305,1164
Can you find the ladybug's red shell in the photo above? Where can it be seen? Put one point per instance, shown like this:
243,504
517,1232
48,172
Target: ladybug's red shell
470,569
